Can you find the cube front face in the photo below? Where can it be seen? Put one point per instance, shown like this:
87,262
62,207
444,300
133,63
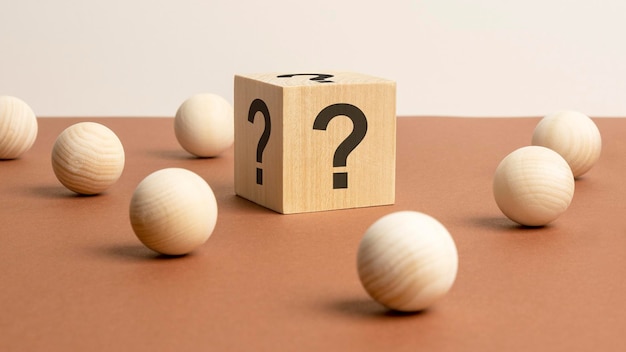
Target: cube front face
332,143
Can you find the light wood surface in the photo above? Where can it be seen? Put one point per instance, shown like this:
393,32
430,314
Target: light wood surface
574,136
300,160
88,158
533,185
407,261
18,127
204,125
173,211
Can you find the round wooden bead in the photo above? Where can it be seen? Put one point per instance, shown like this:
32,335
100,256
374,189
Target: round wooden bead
573,135
407,260
18,127
204,125
173,211
533,186
88,158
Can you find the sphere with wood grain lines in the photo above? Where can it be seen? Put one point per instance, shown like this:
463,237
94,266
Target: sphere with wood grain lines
533,185
18,127
204,125
88,158
574,136
173,211
407,261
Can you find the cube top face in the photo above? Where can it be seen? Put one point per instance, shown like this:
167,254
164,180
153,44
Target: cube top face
296,80
313,142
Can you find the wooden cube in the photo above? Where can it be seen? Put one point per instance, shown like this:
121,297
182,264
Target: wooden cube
312,142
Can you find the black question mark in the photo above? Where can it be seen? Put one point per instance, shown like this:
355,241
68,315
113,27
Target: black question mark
259,105
340,179
319,77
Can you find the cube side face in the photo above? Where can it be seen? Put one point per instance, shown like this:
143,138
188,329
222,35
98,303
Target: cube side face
318,119
258,143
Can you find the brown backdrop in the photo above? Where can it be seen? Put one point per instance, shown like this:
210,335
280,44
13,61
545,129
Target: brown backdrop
74,276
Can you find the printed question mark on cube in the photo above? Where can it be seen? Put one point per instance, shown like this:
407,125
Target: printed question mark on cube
259,105
319,77
340,179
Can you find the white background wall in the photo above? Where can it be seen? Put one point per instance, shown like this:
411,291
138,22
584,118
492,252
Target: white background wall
454,57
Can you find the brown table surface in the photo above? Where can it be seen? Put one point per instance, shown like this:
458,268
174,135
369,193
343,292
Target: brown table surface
75,277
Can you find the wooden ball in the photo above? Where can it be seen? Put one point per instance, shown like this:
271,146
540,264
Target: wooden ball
573,135
407,260
173,211
18,127
88,158
533,186
204,125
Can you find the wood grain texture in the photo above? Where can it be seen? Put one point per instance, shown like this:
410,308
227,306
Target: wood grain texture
407,261
298,161
18,127
574,136
88,158
173,211
204,125
533,186
247,135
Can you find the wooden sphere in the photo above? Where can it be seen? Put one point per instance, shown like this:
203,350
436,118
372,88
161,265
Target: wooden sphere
88,158
18,127
573,135
173,211
533,186
204,125
407,260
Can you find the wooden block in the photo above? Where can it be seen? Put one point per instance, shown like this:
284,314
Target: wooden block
313,142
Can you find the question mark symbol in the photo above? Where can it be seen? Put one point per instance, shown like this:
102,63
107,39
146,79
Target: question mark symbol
340,179
319,77
259,105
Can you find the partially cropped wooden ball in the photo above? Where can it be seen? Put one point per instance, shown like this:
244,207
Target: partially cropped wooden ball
173,211
407,261
573,135
204,125
18,127
88,158
533,186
